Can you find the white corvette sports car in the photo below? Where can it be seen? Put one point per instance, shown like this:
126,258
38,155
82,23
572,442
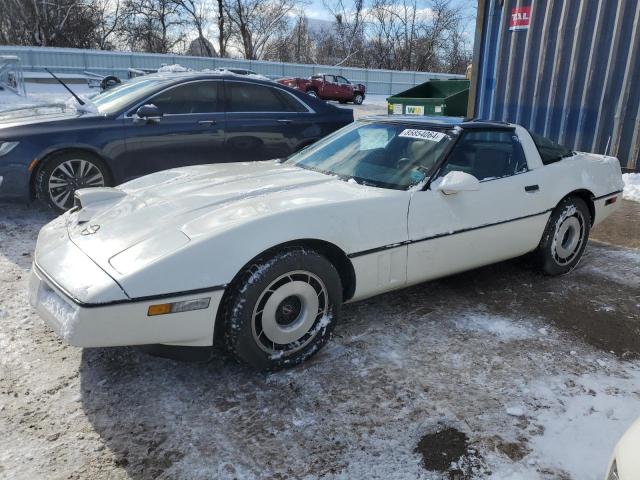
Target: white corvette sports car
263,254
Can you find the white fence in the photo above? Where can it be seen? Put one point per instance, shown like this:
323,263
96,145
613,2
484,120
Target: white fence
71,60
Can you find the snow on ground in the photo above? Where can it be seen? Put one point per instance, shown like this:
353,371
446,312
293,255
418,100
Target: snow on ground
488,352
631,186
39,93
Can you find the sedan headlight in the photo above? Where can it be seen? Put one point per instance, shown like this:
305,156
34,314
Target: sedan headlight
613,472
6,147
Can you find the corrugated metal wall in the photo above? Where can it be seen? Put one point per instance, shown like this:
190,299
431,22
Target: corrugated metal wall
573,75
71,60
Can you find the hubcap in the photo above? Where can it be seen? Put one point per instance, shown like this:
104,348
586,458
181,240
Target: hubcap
70,176
289,313
568,237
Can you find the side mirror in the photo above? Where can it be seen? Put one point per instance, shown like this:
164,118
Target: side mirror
454,182
148,113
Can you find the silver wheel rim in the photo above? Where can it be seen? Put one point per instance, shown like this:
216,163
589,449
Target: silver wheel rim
568,237
290,313
358,99
70,176
312,93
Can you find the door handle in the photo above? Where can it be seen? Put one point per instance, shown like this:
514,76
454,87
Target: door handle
207,122
285,120
531,188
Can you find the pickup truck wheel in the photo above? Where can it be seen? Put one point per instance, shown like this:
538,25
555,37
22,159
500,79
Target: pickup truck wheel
282,310
565,237
63,174
358,98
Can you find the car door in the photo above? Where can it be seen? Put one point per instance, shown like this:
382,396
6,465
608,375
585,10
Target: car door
503,219
329,88
190,131
265,122
345,88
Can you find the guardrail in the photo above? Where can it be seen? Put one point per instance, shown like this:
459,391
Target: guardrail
71,60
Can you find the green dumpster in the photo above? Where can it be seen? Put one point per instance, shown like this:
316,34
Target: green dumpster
435,97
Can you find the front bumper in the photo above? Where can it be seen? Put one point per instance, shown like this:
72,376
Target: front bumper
123,322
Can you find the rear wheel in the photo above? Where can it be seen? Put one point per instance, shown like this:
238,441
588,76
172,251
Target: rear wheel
63,174
282,310
312,93
565,237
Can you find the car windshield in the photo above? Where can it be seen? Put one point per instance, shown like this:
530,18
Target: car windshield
116,98
383,155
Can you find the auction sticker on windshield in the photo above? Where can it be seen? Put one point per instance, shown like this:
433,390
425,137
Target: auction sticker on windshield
422,134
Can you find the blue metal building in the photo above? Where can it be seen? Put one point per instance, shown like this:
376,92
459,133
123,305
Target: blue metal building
567,69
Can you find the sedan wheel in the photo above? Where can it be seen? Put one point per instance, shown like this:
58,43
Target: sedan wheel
358,99
282,309
565,237
59,178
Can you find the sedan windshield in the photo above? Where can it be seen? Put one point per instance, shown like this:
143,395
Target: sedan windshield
116,98
379,154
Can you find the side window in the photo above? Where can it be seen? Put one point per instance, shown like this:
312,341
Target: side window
289,104
193,97
248,97
549,151
487,155
343,81
330,78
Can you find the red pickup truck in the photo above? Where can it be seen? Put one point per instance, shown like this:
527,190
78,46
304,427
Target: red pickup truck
328,87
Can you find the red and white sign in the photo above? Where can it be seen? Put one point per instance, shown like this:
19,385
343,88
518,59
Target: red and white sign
520,18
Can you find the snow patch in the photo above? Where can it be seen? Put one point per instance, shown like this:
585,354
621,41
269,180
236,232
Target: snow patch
631,186
503,328
65,314
176,67
516,411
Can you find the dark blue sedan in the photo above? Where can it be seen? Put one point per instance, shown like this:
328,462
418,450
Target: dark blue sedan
153,123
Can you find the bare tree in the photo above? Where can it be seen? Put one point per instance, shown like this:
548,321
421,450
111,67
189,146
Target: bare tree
68,23
109,18
255,22
198,14
224,34
348,28
153,25
292,45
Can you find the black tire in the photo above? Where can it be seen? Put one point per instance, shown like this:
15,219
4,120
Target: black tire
565,237
260,339
109,81
358,98
95,174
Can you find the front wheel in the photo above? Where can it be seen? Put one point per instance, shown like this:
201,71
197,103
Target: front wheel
282,309
63,174
358,98
565,237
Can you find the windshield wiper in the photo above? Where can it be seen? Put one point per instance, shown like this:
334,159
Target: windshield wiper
78,99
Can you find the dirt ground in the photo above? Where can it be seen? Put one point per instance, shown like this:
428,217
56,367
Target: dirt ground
527,376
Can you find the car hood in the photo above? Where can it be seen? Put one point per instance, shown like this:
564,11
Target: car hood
195,228
38,114
164,211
